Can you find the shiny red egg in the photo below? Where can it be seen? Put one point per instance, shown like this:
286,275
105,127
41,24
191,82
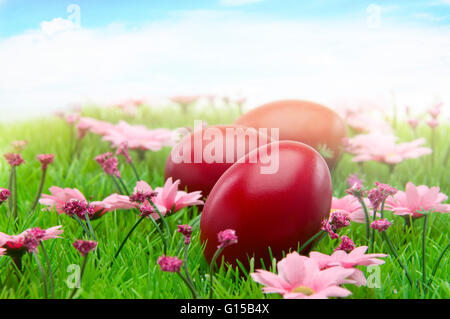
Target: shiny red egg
302,121
201,157
281,209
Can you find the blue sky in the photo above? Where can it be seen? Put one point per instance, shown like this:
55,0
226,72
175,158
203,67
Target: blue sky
17,16
324,51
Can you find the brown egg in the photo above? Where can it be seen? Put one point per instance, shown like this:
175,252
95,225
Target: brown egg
302,121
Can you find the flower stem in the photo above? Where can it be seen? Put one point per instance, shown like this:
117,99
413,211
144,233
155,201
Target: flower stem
44,278
166,225
14,192
83,267
128,236
366,215
121,191
49,270
123,186
211,271
135,171
39,192
309,241
424,240
437,264
447,156
191,288
86,231
163,238
372,242
186,268
10,187
394,252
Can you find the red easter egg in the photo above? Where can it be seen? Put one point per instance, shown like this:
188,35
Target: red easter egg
189,160
281,209
301,121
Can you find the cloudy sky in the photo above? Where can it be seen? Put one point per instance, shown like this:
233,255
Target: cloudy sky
54,53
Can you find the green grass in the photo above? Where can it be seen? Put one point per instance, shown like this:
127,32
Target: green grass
135,273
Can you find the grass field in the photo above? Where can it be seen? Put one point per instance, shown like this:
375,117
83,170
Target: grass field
135,274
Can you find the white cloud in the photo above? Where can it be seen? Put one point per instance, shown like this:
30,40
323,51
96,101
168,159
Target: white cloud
236,3
214,52
57,25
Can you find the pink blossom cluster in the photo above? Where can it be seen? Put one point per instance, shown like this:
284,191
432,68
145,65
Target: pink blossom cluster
14,159
84,247
4,195
109,164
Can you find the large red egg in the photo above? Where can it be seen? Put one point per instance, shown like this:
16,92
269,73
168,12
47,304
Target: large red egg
279,210
189,160
301,121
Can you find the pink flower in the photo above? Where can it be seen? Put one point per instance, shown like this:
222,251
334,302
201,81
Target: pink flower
72,118
435,110
61,196
173,200
417,199
356,257
184,99
4,194
382,148
367,122
186,230
226,238
123,150
346,244
14,159
380,224
45,160
300,277
379,194
84,247
326,227
339,219
27,241
109,163
147,210
170,264
78,208
94,126
353,179
138,137
356,190
351,206
433,123
413,122
19,146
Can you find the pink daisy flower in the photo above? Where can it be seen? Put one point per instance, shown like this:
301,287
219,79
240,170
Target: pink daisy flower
417,199
61,196
300,277
356,257
138,137
172,199
383,148
349,205
27,241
